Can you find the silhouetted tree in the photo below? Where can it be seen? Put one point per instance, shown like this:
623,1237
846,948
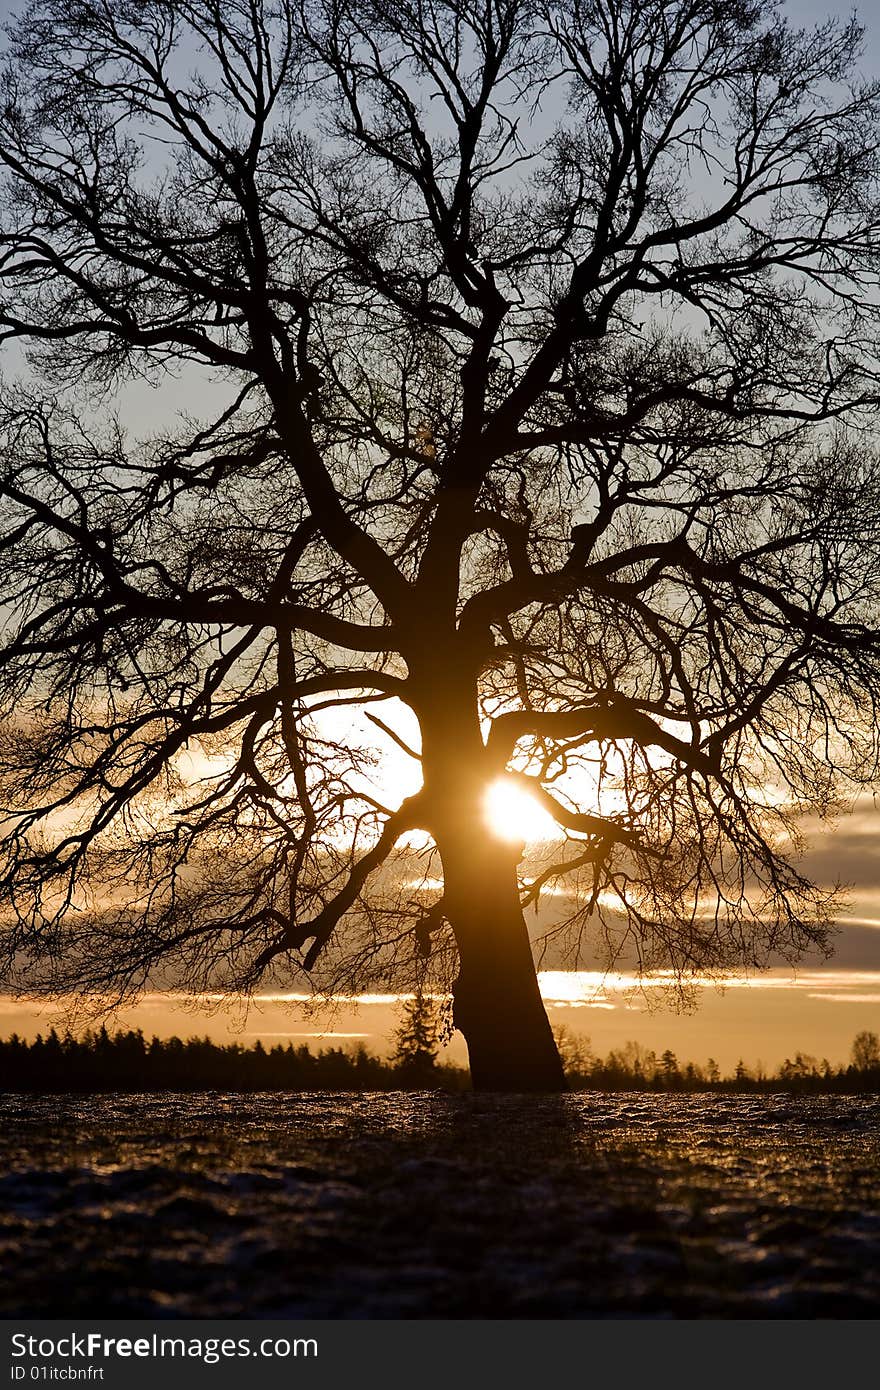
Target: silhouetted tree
539,328
669,1069
575,1053
417,1039
866,1051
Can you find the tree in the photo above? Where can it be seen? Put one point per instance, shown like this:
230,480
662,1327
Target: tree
575,1052
544,334
866,1051
417,1040
669,1070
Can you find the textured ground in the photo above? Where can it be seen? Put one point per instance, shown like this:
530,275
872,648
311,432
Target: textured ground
427,1205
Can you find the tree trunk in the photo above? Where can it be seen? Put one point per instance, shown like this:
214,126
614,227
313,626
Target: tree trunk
497,1004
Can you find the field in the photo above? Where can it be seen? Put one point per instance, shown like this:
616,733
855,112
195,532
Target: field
439,1206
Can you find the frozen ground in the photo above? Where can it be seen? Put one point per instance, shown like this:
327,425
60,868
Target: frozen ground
427,1205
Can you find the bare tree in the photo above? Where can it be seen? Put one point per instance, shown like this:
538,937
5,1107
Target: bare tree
547,337
866,1051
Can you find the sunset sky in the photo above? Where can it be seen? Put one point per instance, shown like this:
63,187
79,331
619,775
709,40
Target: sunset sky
817,1009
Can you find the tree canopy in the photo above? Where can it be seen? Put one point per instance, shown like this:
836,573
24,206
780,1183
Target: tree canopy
545,336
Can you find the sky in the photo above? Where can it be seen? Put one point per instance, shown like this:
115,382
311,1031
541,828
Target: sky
817,1009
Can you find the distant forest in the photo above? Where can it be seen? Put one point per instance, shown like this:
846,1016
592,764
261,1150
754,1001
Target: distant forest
127,1061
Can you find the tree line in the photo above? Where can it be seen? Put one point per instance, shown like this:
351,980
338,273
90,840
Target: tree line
128,1061
637,1068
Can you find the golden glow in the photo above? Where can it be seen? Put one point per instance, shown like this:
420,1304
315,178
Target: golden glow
779,1008
514,815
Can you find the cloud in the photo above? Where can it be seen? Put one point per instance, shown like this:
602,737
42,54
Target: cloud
848,998
848,852
331,1034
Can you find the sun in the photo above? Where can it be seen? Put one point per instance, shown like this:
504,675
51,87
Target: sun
514,815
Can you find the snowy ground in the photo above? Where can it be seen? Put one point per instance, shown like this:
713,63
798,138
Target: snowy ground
427,1205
